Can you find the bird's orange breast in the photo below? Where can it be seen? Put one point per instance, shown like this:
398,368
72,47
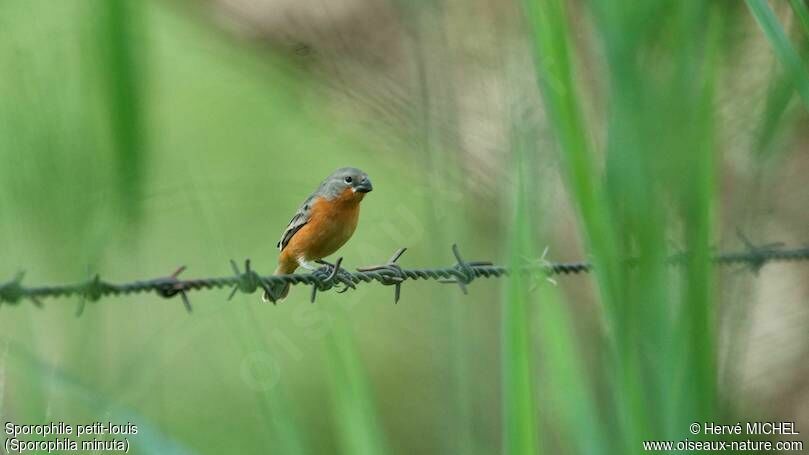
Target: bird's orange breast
330,225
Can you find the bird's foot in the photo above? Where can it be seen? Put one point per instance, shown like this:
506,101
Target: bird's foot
334,273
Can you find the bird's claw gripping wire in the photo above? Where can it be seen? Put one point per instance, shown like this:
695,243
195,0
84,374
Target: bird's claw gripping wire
389,274
249,281
463,272
173,286
330,275
336,274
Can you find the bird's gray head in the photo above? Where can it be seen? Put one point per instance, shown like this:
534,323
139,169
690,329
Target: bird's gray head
343,179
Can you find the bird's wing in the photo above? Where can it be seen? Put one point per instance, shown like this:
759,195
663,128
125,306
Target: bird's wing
297,222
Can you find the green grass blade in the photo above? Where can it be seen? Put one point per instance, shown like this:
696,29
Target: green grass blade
271,401
697,321
553,58
800,9
520,428
353,406
570,390
775,119
122,75
780,43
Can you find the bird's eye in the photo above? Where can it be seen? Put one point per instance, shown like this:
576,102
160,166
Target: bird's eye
349,179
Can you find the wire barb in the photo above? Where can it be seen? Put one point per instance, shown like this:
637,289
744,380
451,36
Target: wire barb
464,272
759,254
174,286
390,273
91,291
247,282
12,291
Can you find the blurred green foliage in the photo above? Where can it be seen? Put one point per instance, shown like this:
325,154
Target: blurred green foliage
133,138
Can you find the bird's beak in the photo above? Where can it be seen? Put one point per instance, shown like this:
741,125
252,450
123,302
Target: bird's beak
364,186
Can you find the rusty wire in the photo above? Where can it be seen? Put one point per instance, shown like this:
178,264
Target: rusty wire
334,276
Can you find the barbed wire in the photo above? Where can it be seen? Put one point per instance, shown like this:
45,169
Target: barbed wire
334,276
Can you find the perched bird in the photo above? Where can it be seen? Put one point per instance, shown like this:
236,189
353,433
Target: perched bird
323,224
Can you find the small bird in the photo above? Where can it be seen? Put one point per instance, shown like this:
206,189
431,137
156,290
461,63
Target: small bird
323,224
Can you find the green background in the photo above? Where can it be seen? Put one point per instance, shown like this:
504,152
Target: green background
136,137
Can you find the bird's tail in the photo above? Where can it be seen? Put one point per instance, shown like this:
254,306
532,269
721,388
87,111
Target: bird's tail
280,290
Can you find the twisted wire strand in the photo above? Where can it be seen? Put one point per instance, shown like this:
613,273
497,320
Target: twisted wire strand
331,276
